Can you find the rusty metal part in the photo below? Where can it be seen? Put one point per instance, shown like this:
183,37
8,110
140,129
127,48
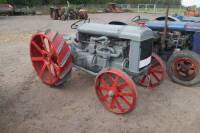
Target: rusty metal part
185,69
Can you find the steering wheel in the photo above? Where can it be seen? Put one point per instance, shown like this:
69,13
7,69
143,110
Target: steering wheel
77,23
139,19
135,19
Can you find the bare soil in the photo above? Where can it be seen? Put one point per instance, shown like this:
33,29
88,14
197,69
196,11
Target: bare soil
29,106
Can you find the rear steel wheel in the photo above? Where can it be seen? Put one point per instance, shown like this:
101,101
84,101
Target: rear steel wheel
116,91
155,74
50,57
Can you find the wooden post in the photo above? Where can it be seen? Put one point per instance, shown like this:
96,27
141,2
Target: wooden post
166,24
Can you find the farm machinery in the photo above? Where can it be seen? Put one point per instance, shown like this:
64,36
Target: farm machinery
113,8
119,56
67,13
180,48
192,12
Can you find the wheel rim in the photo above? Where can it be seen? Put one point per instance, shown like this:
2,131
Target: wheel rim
116,91
48,55
155,74
185,69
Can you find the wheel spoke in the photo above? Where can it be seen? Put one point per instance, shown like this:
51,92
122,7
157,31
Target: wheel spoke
126,101
125,94
143,79
112,102
150,83
37,59
155,76
43,43
123,86
37,47
103,82
155,64
50,73
103,98
42,70
119,106
115,81
156,70
103,88
110,77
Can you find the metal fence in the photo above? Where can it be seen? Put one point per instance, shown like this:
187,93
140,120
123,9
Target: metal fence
137,8
140,8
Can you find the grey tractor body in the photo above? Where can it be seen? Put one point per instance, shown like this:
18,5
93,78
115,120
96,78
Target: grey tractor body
124,47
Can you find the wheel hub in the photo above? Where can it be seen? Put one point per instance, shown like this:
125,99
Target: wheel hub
185,69
111,93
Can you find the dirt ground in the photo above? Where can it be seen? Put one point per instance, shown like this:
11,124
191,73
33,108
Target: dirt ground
29,106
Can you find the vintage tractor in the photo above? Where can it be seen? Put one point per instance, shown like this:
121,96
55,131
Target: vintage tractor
181,48
68,13
117,55
192,12
113,8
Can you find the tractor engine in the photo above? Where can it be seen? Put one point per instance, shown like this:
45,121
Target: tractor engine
176,40
95,52
99,46
178,36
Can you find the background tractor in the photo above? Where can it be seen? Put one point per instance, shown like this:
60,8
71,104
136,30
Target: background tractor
193,12
67,13
181,49
113,8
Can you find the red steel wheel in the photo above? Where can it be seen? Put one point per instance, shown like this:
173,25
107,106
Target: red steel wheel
51,57
155,74
116,90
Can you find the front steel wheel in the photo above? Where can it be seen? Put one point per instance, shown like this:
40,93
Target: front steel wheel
116,91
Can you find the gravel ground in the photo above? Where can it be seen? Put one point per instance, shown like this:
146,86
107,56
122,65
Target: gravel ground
29,106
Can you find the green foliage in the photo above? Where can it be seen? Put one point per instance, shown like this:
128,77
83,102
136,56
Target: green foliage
47,2
3,1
